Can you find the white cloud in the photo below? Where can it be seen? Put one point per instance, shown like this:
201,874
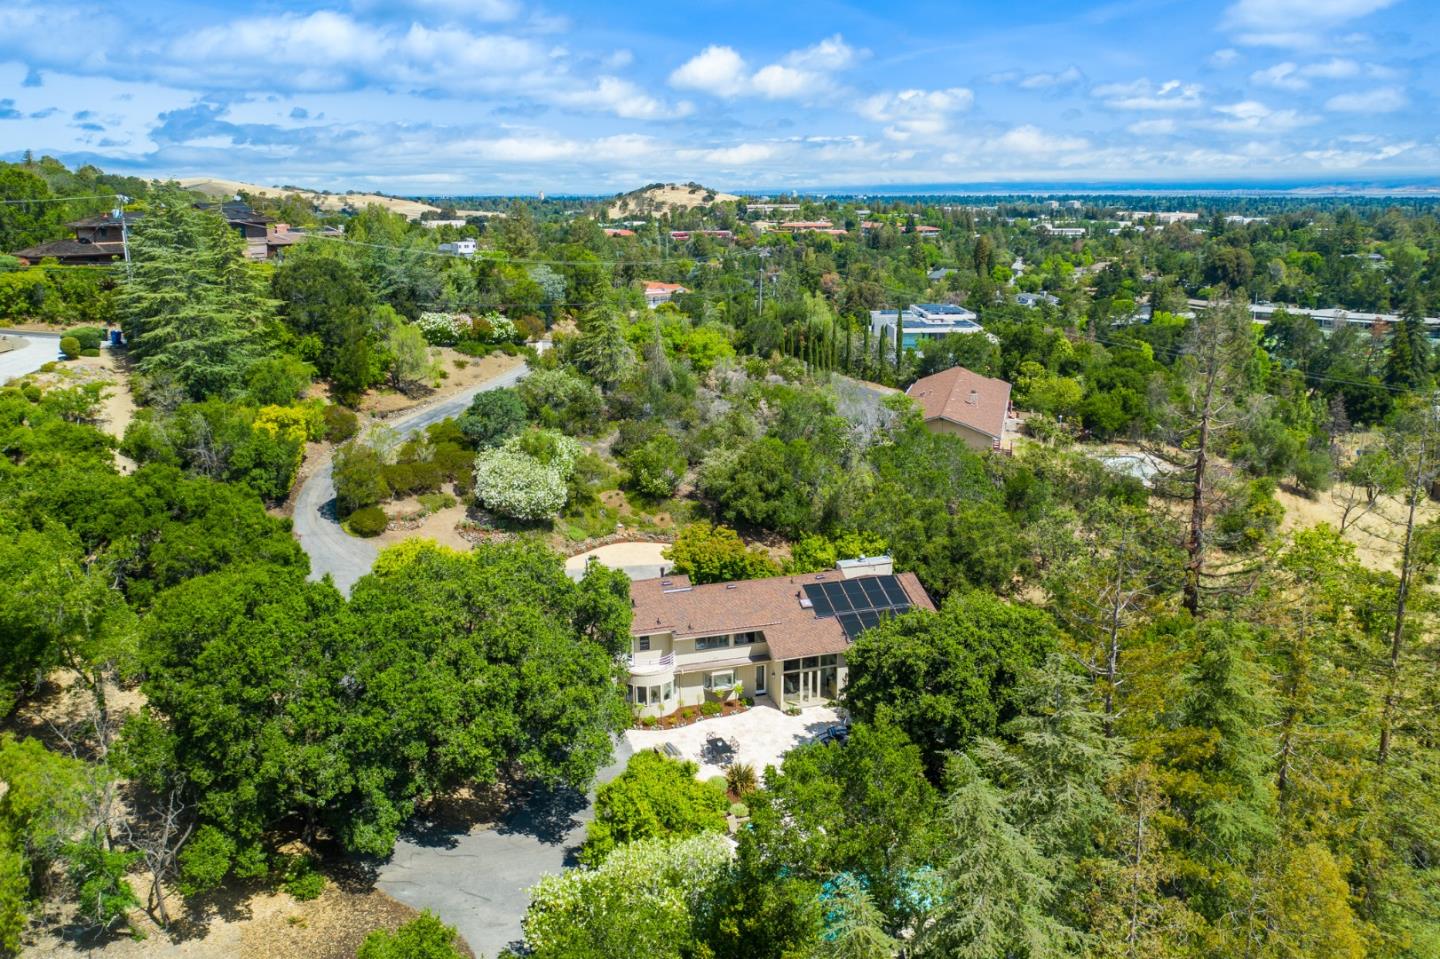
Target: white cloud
1289,76
1293,23
910,113
624,99
1143,95
1381,100
1030,139
1253,116
1223,57
741,154
723,72
1161,126
717,69
1070,76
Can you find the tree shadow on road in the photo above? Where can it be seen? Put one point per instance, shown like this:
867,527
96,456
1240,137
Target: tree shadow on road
549,815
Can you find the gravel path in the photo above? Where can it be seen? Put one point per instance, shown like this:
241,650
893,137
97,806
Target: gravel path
333,551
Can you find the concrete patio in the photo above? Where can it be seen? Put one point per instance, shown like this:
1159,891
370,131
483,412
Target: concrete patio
764,734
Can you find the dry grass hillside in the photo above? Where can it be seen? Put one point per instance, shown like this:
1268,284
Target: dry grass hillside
329,202
665,198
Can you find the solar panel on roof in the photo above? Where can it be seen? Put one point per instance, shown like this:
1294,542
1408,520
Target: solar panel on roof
874,591
858,604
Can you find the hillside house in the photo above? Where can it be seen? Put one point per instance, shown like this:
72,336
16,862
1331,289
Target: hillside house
924,321
781,639
657,292
965,404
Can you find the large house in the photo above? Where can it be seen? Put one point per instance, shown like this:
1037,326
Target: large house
965,404
781,639
98,239
924,321
657,292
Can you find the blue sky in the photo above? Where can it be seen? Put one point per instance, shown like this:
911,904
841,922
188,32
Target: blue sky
506,96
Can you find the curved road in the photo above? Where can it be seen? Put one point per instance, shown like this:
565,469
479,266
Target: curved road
33,352
332,550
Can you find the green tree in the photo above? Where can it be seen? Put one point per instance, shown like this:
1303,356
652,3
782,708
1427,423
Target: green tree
654,797
949,677
493,417
715,554
601,351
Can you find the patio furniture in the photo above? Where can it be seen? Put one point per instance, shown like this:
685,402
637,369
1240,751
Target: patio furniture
671,750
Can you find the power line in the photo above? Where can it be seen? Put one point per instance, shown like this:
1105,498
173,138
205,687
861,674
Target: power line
68,199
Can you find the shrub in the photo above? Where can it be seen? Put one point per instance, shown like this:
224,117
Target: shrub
368,521
400,477
89,352
740,779
649,722
434,502
300,879
89,337
739,810
716,554
340,423
70,347
656,466
526,477
493,417
716,783
711,707
425,937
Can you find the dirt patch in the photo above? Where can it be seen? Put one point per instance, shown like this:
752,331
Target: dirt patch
1376,536
440,526
269,925
472,373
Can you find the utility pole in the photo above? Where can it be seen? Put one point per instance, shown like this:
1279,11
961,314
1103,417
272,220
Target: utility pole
124,231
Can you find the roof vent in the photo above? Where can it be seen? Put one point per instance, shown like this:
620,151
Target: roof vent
732,585
667,582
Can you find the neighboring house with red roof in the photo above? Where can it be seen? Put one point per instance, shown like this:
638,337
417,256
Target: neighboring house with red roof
965,404
781,640
618,231
657,292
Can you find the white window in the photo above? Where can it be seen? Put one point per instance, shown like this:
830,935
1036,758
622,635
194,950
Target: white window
712,642
637,695
721,680
642,645
746,639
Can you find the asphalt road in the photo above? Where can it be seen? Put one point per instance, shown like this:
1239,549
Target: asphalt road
332,550
477,881
35,350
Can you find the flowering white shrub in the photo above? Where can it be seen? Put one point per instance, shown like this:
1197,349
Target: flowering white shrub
526,476
443,329
641,900
502,328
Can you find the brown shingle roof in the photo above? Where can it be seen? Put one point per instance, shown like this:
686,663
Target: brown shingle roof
672,605
963,397
73,249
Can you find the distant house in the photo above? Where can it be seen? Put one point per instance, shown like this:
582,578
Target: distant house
965,404
1072,232
1033,300
618,231
924,321
437,224
657,292
928,232
98,240
465,247
683,236
940,272
781,640
809,226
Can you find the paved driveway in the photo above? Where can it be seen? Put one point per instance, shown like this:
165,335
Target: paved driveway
478,881
332,550
33,350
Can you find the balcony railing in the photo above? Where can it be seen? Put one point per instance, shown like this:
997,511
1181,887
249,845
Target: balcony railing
646,666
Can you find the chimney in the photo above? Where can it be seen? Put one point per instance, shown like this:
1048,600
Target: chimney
973,396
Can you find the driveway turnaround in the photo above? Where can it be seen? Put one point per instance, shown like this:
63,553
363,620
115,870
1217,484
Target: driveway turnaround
636,560
332,550
30,352
478,881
